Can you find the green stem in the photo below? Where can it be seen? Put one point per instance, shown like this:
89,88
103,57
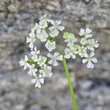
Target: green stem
58,49
70,85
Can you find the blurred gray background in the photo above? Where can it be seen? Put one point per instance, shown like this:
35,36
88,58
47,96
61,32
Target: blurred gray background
92,86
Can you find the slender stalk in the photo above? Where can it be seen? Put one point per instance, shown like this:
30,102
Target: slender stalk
58,49
70,85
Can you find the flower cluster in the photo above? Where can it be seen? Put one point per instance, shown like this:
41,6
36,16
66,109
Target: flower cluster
84,49
41,66
45,31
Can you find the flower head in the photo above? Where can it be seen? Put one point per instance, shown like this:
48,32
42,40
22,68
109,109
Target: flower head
37,28
86,32
50,45
83,41
46,71
35,54
70,52
56,25
90,59
92,44
44,22
38,80
54,33
54,58
71,41
82,51
42,36
23,62
32,70
41,60
31,40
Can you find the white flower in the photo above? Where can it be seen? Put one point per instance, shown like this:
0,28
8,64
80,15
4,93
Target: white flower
31,40
44,21
83,41
32,70
70,52
41,60
38,80
23,62
35,54
42,36
43,24
86,32
37,28
54,33
50,45
82,51
71,41
46,18
90,59
92,44
54,57
56,25
46,71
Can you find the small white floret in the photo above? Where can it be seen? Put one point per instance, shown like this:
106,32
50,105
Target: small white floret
50,45
54,58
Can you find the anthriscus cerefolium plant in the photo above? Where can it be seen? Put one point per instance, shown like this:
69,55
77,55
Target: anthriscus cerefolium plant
41,66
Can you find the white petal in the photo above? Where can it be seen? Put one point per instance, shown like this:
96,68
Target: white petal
21,63
88,35
94,60
96,45
55,63
51,28
61,28
56,54
42,80
90,65
50,74
31,45
38,84
40,76
58,22
84,60
73,56
27,40
52,22
92,54
88,30
26,58
50,62
25,67
33,80
49,55
81,33
60,58
67,56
